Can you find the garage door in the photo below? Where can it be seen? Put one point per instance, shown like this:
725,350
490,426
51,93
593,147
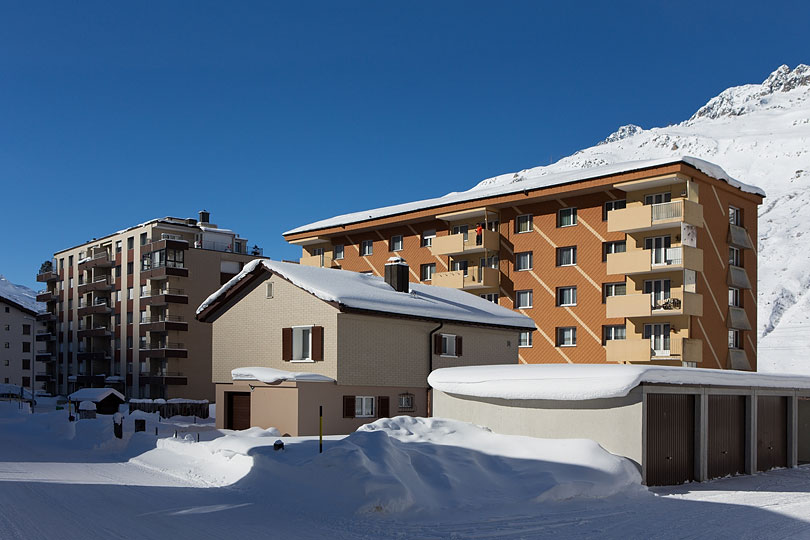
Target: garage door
771,432
238,410
670,439
726,437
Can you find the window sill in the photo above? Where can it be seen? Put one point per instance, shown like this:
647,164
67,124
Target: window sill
523,269
566,305
524,346
364,416
523,307
303,361
566,226
448,356
564,265
566,346
523,232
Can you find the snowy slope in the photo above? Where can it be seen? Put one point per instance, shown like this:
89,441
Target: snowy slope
20,294
759,134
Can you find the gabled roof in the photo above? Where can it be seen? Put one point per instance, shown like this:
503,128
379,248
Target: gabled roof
529,180
361,292
95,394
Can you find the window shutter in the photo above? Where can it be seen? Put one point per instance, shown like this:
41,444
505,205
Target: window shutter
348,406
458,345
317,343
437,344
383,406
286,344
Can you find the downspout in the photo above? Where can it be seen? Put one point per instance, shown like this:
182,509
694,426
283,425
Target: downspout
430,367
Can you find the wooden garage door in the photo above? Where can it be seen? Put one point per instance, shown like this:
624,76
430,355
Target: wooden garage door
670,439
726,437
771,432
238,410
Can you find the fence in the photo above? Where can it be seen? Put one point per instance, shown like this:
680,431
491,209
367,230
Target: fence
171,407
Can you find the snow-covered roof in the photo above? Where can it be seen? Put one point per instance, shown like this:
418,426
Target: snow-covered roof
87,406
20,295
528,180
271,376
95,394
581,382
361,291
7,389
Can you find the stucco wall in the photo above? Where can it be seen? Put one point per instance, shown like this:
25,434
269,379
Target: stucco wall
615,423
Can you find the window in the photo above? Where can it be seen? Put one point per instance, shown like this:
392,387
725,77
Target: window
118,295
129,317
129,342
734,297
338,249
143,317
734,339
26,329
567,336
302,343
70,304
460,265
734,258
427,237
129,293
366,248
523,224
525,339
396,243
26,381
5,362
142,343
490,297
144,291
735,216
427,271
660,248
8,326
658,198
567,256
117,319
143,239
566,296
448,345
118,271
659,290
61,264
70,260
130,242
118,246
523,299
524,261
268,290
26,363
364,406
566,217
70,283
613,332
26,346
7,345
658,334
613,205
171,258
117,343
130,268
619,246
406,402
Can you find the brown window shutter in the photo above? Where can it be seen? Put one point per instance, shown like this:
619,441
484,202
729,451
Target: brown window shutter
437,344
383,406
286,344
458,345
348,406
317,343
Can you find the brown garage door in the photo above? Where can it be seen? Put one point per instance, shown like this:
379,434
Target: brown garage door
670,439
726,437
238,410
771,432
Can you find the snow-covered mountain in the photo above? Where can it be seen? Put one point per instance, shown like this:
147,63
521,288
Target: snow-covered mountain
20,294
760,134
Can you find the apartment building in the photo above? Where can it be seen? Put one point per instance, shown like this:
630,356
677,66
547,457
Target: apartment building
121,307
642,262
21,337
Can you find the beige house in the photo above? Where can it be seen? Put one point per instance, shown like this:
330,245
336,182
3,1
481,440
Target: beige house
289,339
22,339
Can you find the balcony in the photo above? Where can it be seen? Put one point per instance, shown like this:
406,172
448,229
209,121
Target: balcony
165,242
643,305
165,350
100,284
737,277
476,278
93,356
737,359
639,350
92,381
44,356
47,276
655,216
171,378
45,335
47,317
163,272
97,331
47,296
100,260
646,261
738,236
164,324
161,297
455,244
99,307
737,318
323,260
43,376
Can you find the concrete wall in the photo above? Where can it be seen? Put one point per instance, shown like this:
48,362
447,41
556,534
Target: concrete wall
616,423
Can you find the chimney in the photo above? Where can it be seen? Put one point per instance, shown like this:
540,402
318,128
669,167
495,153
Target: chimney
205,216
396,274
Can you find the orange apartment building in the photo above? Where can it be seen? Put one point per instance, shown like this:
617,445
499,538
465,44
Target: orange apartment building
641,262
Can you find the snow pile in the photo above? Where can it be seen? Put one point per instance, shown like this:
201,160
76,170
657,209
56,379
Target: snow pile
372,293
584,381
87,406
272,376
12,391
20,295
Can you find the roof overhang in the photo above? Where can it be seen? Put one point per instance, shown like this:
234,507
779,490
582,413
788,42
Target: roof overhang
654,182
309,241
482,212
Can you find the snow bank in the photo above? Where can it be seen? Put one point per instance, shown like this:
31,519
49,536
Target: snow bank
271,376
581,382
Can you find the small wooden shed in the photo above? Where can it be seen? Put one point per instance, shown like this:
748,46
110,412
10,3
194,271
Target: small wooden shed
107,400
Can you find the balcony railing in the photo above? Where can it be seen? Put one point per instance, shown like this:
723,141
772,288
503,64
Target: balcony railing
655,216
164,291
640,350
458,244
162,318
475,277
647,305
642,261
324,260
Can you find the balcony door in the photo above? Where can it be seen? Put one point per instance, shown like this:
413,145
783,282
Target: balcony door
658,289
658,334
461,229
658,245
658,198
460,265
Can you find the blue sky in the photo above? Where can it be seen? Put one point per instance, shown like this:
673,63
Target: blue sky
271,115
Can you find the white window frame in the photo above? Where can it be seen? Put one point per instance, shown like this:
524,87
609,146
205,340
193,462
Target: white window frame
530,296
338,250
734,256
521,221
405,402
268,290
525,339
449,345
735,339
735,297
609,332
618,204
462,265
491,297
572,214
431,271
562,331
561,291
519,267
397,239
610,247
735,215
366,248
364,406
427,237
658,198
298,333
572,251
662,338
